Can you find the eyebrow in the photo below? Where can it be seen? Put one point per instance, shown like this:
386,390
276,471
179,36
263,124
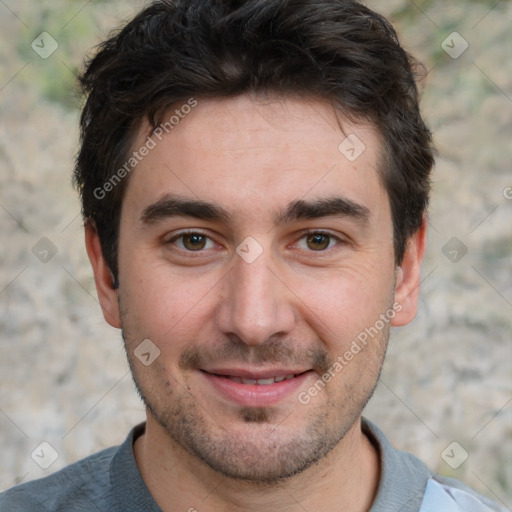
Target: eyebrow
323,207
174,206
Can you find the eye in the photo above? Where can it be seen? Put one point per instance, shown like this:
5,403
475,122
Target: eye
192,241
318,241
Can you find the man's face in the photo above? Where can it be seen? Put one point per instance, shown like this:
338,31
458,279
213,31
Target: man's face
252,253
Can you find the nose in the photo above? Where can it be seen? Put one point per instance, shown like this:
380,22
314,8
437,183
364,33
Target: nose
256,305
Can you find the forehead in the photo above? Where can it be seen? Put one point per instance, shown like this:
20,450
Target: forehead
253,154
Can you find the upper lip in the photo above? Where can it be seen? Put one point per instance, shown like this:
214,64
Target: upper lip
245,373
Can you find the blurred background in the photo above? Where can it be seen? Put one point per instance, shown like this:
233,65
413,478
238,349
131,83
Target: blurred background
446,390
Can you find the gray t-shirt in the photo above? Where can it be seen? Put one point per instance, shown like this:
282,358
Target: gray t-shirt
109,481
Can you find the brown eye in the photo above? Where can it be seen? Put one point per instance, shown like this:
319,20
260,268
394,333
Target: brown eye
318,241
194,241
191,241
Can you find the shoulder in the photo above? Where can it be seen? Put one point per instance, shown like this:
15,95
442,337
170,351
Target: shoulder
425,491
451,494
82,486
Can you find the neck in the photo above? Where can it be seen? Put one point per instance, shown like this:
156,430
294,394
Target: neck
345,480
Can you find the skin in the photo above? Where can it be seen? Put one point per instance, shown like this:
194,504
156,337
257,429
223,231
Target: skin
298,305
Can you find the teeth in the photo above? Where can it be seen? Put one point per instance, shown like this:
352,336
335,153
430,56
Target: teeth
266,382
261,382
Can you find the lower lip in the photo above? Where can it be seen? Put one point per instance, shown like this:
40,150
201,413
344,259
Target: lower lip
255,395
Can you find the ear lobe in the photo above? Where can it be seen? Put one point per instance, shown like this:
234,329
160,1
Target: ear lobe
107,293
408,275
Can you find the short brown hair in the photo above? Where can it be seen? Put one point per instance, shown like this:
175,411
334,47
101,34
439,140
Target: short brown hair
336,50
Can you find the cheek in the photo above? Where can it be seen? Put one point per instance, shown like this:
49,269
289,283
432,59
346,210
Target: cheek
342,304
162,305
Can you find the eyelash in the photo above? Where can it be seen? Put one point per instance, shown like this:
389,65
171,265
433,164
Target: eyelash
307,233
183,234
338,240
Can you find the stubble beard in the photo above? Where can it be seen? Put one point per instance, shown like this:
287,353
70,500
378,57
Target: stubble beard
263,450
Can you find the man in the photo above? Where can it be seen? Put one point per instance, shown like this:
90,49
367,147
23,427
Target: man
254,178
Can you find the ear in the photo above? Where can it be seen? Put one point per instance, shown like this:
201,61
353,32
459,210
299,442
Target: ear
103,278
407,286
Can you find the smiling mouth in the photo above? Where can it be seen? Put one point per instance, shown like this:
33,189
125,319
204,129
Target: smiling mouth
256,387
267,381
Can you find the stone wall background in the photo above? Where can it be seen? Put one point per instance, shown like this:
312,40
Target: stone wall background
448,376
